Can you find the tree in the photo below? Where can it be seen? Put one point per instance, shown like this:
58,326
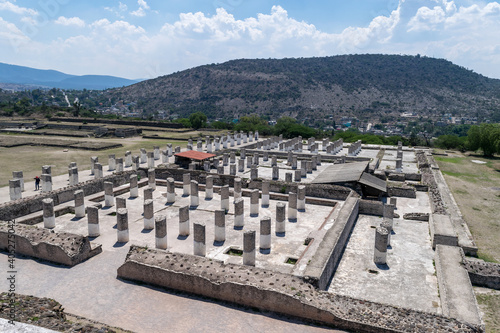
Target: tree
198,120
485,137
289,128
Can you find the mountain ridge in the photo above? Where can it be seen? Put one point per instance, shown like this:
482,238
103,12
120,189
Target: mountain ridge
48,78
306,87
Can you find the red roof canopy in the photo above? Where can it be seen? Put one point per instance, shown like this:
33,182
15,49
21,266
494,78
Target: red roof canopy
195,155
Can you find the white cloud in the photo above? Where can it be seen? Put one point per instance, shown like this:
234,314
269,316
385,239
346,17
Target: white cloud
9,6
76,21
122,8
141,11
461,32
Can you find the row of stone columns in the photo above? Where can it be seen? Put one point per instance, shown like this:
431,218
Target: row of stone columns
354,148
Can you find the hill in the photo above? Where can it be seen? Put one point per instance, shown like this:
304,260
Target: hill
29,78
361,85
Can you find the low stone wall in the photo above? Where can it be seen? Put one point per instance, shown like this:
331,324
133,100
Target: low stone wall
371,207
399,191
442,231
322,266
14,209
457,296
277,292
481,273
59,247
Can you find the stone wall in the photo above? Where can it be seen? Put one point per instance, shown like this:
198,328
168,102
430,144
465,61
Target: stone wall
371,207
14,209
457,296
481,273
59,247
277,292
322,266
402,191
118,122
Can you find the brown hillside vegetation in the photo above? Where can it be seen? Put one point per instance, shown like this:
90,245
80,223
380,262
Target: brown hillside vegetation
371,85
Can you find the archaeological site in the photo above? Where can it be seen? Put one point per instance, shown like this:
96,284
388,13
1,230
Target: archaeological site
244,233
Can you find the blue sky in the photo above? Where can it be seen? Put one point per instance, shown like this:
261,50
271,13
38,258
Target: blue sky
146,38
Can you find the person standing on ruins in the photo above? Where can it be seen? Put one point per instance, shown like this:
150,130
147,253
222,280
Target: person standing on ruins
37,183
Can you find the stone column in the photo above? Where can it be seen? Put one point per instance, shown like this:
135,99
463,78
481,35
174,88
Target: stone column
232,157
148,193
19,175
232,169
119,164
93,221
256,158
220,226
254,172
292,206
79,203
49,219
152,179
184,221
156,153
301,198
169,149
149,218
161,232
237,188
135,162
243,153
122,225
249,161
73,176
164,156
254,203
309,167
109,199
239,213
195,201
144,157
288,177
303,170
265,156
111,162
294,162
121,202
170,190
199,245
47,169
177,149
297,175
276,173
393,202
249,248
15,189
209,188
387,225
97,170
224,197
134,188
151,160
381,241
220,170
93,161
265,193
225,159
388,214
265,233
128,159
399,165
46,182
274,160
186,184
280,218
241,165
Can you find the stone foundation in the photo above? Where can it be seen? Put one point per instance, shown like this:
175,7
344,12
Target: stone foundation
59,247
277,292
